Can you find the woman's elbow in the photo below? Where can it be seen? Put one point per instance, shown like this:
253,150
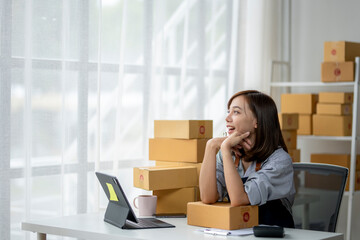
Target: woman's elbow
208,199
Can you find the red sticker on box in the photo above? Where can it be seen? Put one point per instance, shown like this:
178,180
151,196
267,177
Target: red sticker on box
337,71
333,52
202,129
141,177
246,217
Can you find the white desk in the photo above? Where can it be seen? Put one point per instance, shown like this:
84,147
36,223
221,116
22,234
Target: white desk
91,226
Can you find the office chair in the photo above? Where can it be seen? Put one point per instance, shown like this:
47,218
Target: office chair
319,191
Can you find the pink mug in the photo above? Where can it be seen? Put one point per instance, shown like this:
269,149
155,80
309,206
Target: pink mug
146,204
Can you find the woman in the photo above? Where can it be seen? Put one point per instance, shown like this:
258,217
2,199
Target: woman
251,165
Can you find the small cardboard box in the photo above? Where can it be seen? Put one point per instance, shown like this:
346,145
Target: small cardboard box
332,125
172,164
294,154
289,121
333,109
177,150
305,124
335,159
183,129
290,138
159,178
298,103
341,51
221,215
336,97
175,200
337,72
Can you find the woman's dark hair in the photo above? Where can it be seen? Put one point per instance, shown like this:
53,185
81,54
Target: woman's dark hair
268,132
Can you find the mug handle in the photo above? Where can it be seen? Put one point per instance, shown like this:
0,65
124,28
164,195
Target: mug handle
135,203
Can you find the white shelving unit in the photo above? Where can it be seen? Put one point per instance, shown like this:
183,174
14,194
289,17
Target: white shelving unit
352,139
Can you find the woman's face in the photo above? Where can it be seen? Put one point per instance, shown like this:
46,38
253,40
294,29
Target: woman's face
240,118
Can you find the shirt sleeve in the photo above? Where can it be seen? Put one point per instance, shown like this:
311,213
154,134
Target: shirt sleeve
273,181
220,178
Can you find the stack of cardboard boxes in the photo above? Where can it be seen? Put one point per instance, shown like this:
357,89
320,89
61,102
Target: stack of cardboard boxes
289,124
178,148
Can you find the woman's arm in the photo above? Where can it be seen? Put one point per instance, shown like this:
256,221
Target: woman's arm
234,184
207,179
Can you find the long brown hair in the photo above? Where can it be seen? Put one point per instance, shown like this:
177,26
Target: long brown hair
268,133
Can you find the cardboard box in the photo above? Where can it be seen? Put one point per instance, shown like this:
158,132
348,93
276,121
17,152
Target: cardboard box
289,121
337,72
336,97
298,103
335,159
290,138
294,154
177,150
305,124
333,109
183,129
174,164
160,178
175,200
341,51
332,125
221,215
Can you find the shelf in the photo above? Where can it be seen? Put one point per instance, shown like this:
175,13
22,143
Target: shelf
312,84
312,137
356,192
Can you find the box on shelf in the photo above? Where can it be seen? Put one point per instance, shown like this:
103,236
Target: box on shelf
335,159
171,164
334,109
290,138
289,121
341,51
172,201
332,125
221,215
177,150
160,178
294,154
336,97
337,72
305,124
183,129
298,103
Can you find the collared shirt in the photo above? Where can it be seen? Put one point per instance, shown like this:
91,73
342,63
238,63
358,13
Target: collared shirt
273,181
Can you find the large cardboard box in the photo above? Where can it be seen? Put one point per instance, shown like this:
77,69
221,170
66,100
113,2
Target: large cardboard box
290,138
159,178
305,124
335,159
341,51
294,154
298,103
172,201
336,97
333,109
289,121
332,125
221,215
337,72
183,129
172,164
177,150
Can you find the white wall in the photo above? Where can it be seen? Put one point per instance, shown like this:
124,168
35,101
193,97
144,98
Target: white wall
312,23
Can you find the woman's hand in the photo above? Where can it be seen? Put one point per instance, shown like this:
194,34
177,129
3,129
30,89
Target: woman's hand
237,141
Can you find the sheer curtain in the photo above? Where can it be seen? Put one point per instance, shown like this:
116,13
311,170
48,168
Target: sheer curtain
82,81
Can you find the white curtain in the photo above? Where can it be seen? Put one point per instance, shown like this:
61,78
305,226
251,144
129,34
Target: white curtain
82,82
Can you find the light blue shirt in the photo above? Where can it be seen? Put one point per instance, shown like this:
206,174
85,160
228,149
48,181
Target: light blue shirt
273,181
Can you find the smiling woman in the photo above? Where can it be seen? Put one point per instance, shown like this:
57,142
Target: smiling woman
251,165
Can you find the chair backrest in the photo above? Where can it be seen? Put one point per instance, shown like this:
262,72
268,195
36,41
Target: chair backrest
319,191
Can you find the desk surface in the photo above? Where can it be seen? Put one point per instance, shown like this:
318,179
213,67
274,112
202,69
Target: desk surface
92,227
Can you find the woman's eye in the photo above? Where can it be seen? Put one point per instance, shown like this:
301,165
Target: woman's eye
236,112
